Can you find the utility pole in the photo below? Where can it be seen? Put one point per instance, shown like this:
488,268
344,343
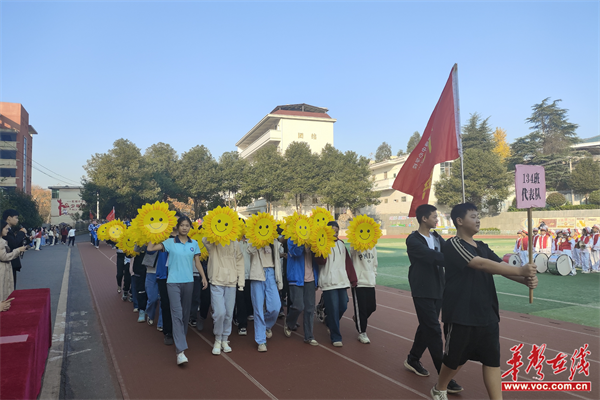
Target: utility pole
571,172
97,205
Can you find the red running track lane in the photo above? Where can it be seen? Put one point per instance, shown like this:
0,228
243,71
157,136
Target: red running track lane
291,369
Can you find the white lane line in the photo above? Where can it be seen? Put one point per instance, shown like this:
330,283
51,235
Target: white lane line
52,376
69,355
239,368
554,301
367,368
503,317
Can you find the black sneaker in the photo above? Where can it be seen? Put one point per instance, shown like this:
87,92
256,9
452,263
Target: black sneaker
454,387
416,367
168,340
192,323
124,296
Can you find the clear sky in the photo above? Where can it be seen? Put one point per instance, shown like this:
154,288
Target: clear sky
190,73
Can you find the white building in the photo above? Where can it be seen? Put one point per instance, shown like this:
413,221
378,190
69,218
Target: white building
287,124
66,201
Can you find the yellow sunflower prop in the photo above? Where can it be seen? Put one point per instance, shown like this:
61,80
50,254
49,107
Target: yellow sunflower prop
197,234
115,230
322,240
156,222
103,232
221,225
363,233
127,243
320,217
261,230
298,229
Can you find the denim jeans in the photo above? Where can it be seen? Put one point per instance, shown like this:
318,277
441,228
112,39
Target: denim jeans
336,303
153,298
265,293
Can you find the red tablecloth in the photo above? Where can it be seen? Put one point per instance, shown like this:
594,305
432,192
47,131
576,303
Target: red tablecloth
23,360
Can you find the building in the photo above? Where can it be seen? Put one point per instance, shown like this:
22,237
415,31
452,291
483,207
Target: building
66,202
286,124
16,143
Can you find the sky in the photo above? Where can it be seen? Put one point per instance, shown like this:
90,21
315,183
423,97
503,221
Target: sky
204,73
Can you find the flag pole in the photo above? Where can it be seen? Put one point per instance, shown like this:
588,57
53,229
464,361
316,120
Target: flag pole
457,125
530,245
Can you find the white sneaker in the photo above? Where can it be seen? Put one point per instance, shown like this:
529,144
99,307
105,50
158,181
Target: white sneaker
217,348
338,344
269,333
181,358
225,346
438,394
363,338
262,347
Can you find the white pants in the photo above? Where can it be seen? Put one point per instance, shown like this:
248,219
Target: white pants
595,259
584,257
222,300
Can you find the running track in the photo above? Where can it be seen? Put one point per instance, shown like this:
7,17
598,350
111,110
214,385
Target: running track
291,369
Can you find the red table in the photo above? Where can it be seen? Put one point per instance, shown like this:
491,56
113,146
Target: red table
25,337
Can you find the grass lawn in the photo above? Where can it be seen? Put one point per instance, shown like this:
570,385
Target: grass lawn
567,298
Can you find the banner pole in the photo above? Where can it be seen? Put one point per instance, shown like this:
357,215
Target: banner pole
530,244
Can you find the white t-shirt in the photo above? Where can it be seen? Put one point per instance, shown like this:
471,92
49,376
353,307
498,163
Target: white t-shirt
430,241
72,232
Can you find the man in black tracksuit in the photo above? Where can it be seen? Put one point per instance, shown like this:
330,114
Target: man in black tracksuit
426,279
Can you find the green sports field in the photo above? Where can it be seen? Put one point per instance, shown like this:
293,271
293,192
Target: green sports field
567,298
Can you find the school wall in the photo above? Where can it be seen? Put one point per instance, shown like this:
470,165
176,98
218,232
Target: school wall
510,222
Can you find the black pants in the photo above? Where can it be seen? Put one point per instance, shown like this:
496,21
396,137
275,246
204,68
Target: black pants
92,239
204,300
429,332
196,298
71,241
123,272
243,306
365,304
15,278
64,238
165,306
140,288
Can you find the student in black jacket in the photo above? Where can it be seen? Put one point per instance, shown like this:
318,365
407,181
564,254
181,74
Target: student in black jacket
15,238
426,279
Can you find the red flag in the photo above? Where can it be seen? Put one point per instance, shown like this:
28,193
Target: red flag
111,215
91,215
440,142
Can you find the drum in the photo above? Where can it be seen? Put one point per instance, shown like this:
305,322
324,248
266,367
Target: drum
541,261
560,264
512,259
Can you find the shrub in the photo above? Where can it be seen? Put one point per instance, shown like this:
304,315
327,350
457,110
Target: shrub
594,197
555,200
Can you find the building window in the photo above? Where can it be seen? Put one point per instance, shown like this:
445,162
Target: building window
8,154
300,135
385,175
403,199
445,168
8,137
394,174
313,135
8,172
55,193
385,201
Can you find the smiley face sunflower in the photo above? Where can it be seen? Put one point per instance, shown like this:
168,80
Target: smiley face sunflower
363,233
197,234
155,221
320,217
221,225
115,230
261,230
103,232
322,240
127,243
298,228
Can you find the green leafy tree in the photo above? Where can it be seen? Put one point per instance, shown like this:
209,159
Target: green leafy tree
199,179
486,182
413,142
594,197
125,177
400,153
29,215
586,176
302,172
162,161
266,177
555,199
552,130
233,171
384,152
477,134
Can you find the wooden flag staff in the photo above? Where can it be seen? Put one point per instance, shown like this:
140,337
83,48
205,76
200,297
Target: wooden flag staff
530,244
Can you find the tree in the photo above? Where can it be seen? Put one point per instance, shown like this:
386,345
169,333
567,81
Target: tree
555,199
501,147
594,197
43,198
125,177
233,171
586,177
24,203
400,153
551,129
346,179
162,161
413,142
384,152
302,172
486,182
477,134
266,177
199,179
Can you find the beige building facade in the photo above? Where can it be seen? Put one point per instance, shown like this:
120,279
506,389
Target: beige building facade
66,201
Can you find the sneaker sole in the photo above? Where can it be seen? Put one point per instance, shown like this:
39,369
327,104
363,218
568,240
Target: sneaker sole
451,391
408,367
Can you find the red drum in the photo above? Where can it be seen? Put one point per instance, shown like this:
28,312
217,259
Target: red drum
512,259
560,264
541,261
